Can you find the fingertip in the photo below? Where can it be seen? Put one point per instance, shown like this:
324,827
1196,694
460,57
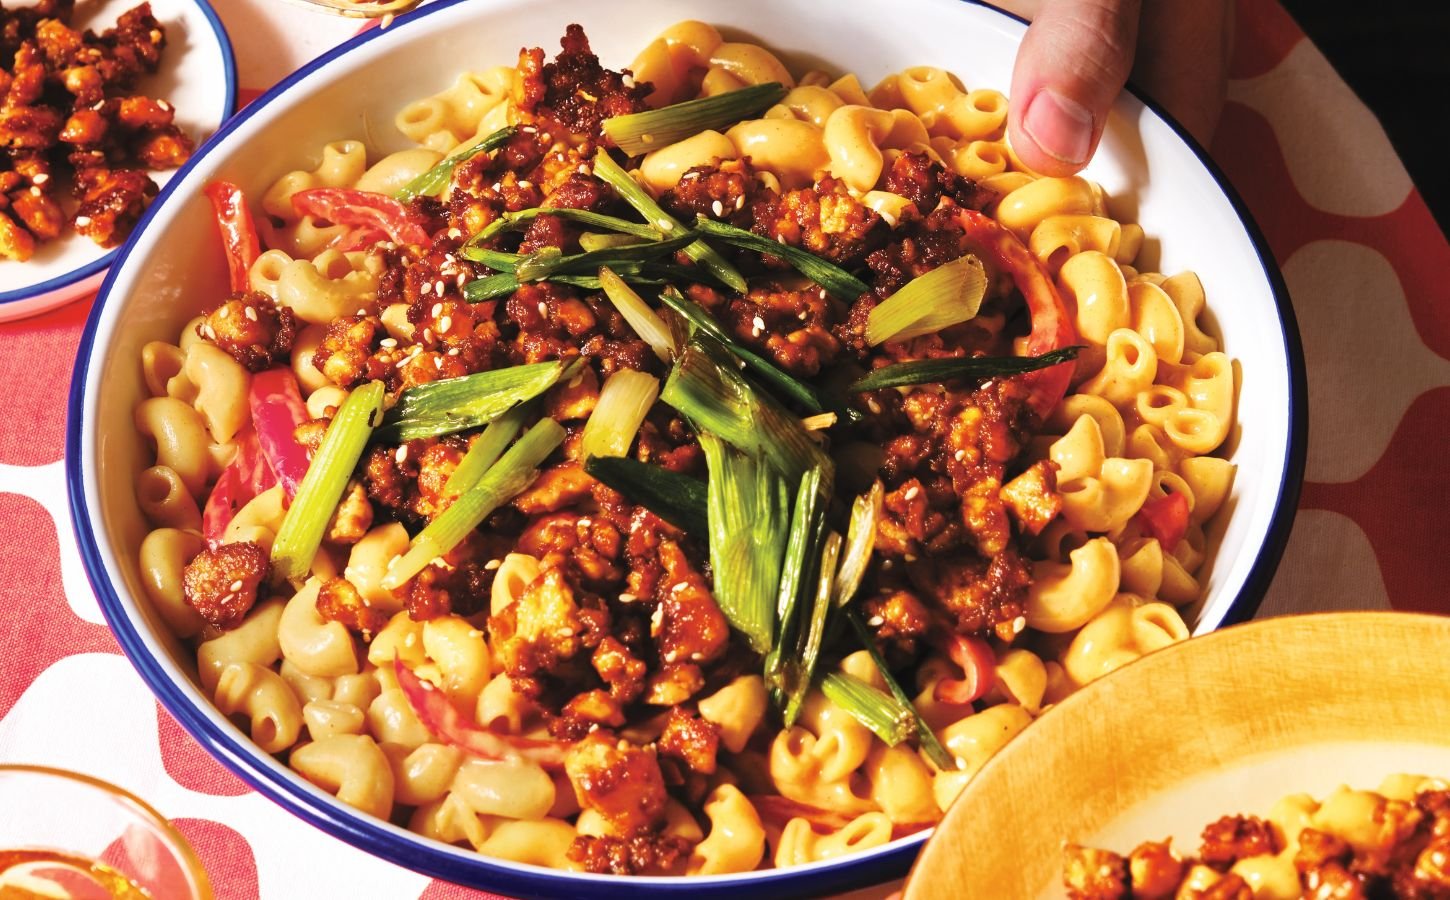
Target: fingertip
1055,134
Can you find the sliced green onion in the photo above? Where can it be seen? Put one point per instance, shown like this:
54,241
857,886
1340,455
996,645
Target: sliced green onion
678,499
932,371
504,480
774,377
833,278
652,129
486,449
624,401
924,735
326,479
504,283
549,261
457,404
815,630
498,260
432,182
706,387
860,541
802,551
593,240
707,257
806,527
517,221
749,517
882,714
645,321
945,296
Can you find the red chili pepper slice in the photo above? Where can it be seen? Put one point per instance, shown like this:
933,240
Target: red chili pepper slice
979,671
1165,518
367,212
239,232
246,476
1052,326
277,410
436,712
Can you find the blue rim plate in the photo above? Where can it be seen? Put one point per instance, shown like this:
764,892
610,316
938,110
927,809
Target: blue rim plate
58,290
389,842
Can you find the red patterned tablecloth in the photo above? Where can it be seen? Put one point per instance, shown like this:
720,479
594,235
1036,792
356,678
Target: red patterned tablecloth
1364,262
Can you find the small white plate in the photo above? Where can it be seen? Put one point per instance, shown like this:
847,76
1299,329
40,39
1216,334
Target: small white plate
199,77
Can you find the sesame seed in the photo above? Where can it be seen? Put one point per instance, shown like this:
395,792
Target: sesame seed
439,287
803,315
665,225
586,522
42,178
1018,624
627,80
525,185
438,362
890,219
740,202
361,311
426,289
402,453
959,455
911,557
677,587
453,352
235,586
210,332
427,336
493,564
543,308
462,279
497,186
228,598
872,405
823,293
717,208
35,192
444,324
697,656
163,104
529,129
656,619
583,169
671,656
437,310
566,632
389,343
455,233
251,313
627,598
758,323
780,238
224,312
875,621
81,221
912,492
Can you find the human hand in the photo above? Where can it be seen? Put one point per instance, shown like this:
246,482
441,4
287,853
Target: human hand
1078,54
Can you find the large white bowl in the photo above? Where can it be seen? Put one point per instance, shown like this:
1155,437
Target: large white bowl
174,264
199,77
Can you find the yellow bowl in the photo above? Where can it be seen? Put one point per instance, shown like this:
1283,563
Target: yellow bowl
1222,724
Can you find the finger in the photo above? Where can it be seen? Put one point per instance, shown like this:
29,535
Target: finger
1073,63
1183,60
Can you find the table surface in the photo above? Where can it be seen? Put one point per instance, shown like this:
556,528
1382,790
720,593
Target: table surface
1364,262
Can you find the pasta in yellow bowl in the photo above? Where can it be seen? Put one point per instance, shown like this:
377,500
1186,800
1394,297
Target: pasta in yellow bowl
694,468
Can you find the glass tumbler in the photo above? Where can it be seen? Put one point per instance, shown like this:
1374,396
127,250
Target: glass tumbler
55,826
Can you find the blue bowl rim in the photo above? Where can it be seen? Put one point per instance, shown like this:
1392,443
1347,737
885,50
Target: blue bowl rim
426,857
229,108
